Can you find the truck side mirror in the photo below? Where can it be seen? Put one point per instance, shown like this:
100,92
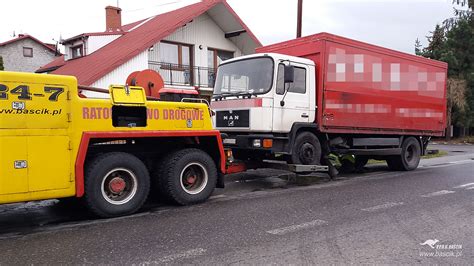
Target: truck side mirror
289,74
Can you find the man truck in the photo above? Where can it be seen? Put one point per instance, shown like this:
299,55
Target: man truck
299,101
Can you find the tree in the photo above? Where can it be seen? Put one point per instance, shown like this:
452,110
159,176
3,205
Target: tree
436,46
468,3
418,47
464,13
453,43
1,64
456,99
460,57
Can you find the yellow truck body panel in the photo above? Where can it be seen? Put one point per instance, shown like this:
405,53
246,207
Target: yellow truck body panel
43,121
134,96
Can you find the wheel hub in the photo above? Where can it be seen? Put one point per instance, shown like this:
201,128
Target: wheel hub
307,152
117,185
191,180
194,178
409,155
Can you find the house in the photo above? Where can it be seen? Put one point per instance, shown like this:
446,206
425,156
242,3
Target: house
26,53
185,46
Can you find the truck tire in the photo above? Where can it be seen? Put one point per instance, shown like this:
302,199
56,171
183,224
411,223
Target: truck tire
158,184
410,157
394,163
116,184
306,150
187,176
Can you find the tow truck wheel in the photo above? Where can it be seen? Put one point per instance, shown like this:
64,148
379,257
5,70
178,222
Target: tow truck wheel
306,150
187,176
116,184
410,157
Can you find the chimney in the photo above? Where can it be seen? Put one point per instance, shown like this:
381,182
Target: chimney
113,18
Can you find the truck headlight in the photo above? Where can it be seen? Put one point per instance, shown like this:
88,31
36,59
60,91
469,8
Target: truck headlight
257,143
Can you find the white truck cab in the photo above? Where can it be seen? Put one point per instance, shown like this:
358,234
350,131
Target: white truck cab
249,95
254,106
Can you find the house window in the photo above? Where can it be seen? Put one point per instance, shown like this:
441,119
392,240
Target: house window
215,57
77,51
27,52
175,54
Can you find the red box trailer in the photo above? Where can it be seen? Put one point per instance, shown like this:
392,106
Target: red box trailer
363,88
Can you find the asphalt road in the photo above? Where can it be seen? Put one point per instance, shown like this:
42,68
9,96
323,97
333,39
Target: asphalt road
378,217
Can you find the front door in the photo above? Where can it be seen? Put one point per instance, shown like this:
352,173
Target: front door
296,106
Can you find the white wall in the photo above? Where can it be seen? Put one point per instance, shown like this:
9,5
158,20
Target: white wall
94,43
120,74
201,31
91,44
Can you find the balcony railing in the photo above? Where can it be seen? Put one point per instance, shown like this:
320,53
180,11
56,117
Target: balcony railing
184,75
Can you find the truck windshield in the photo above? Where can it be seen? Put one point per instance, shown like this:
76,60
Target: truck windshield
248,76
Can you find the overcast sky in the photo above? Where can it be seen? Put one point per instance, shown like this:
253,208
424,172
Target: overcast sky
391,23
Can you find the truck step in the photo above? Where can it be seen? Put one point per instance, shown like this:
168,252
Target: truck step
296,168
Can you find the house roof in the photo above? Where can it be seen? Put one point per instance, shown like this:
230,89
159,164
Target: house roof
53,65
20,37
125,28
80,36
92,67
132,25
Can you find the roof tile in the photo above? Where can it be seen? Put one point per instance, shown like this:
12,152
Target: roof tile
26,36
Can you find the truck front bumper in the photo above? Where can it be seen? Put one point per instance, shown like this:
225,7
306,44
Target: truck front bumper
248,141
266,143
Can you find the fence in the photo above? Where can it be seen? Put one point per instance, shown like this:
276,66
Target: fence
184,75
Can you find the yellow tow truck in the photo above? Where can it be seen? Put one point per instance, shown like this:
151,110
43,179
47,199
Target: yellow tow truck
109,152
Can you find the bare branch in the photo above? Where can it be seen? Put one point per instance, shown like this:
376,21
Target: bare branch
457,92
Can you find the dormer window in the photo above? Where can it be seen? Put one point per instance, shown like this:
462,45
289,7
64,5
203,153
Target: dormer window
77,51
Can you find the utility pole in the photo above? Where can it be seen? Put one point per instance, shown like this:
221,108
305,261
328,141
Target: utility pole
299,19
